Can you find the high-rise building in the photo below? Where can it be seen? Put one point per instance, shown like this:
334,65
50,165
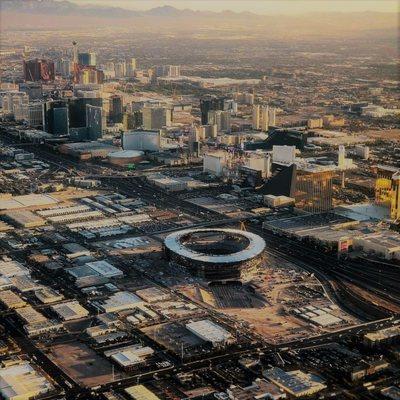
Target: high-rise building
341,157
32,89
156,117
77,110
130,67
64,67
207,131
115,108
220,118
387,189
94,122
132,120
272,116
87,59
120,69
172,71
89,75
35,114
256,117
75,57
38,70
55,117
263,117
314,190
12,101
210,103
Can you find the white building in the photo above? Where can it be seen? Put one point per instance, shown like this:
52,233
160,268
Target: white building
362,151
129,356
214,163
142,140
209,331
260,162
285,155
20,381
343,162
119,301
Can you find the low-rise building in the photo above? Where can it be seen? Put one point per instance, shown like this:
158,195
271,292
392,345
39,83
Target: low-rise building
209,331
11,300
47,295
295,383
119,301
19,381
70,310
260,389
140,392
130,356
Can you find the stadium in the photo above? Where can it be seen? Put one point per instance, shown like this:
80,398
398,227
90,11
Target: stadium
215,254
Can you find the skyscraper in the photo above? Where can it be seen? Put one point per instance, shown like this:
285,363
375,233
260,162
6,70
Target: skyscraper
256,117
115,108
38,70
264,118
261,117
220,118
55,118
93,122
130,66
156,117
87,59
210,103
77,110
272,116
314,190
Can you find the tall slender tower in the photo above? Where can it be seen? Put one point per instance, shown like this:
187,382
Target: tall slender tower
75,52
256,116
264,118
75,61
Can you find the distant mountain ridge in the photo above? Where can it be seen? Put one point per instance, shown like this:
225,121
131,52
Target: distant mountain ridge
65,7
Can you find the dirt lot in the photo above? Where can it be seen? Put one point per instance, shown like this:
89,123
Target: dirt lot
82,364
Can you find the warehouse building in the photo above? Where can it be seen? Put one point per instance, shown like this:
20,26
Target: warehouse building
48,295
140,392
295,383
85,276
383,336
119,301
209,331
87,150
25,283
74,250
153,295
105,269
24,219
70,310
9,202
384,243
12,268
259,389
20,381
10,300
130,356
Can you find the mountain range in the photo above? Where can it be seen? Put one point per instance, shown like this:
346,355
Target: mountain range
65,7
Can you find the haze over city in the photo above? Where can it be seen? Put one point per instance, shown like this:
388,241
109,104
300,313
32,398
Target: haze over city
199,200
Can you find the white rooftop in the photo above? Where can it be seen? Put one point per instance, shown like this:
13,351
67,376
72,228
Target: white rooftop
22,381
209,331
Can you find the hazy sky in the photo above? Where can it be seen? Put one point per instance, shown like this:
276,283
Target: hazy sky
258,6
